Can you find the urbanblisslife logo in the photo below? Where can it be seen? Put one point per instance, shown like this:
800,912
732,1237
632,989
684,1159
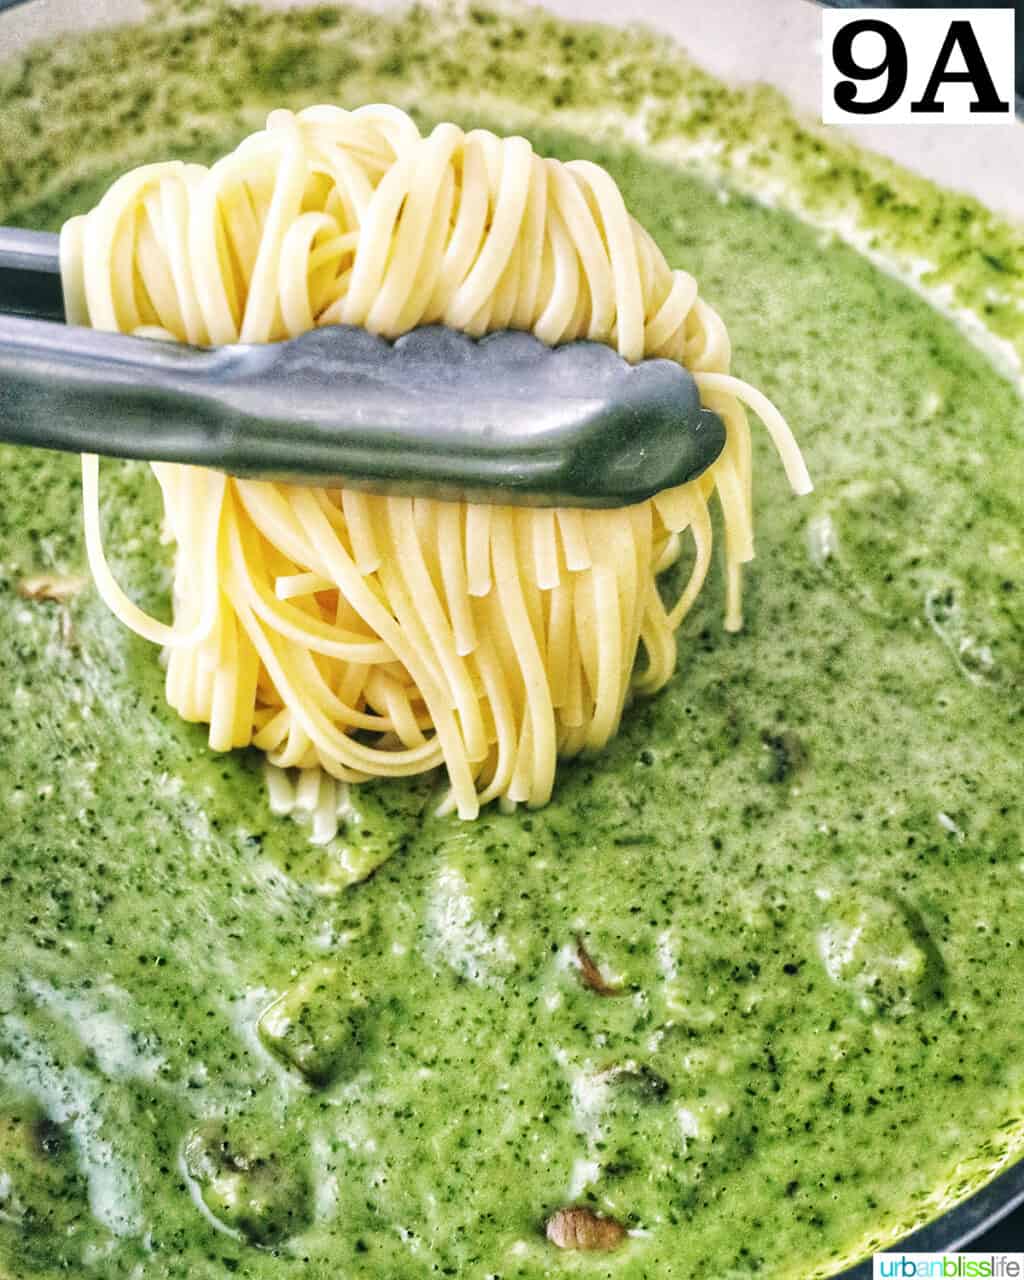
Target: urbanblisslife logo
948,1266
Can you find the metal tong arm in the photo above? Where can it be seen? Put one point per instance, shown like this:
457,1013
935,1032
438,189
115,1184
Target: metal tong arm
30,274
502,418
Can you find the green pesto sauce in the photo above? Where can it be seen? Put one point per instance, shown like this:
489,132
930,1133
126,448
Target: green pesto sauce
800,866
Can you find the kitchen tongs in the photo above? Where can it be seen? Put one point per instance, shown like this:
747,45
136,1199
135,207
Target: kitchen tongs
502,418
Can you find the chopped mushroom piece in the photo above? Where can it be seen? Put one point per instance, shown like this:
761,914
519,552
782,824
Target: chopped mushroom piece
317,1025
591,974
638,1078
581,1229
43,1195
254,1191
51,586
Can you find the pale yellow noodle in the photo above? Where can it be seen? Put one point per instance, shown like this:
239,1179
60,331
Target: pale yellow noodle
381,637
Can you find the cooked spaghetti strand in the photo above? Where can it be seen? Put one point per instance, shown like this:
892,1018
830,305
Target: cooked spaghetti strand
358,636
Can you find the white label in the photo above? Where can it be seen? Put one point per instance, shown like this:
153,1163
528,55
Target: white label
917,66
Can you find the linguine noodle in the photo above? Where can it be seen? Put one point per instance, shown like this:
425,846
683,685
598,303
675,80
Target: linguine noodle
369,636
